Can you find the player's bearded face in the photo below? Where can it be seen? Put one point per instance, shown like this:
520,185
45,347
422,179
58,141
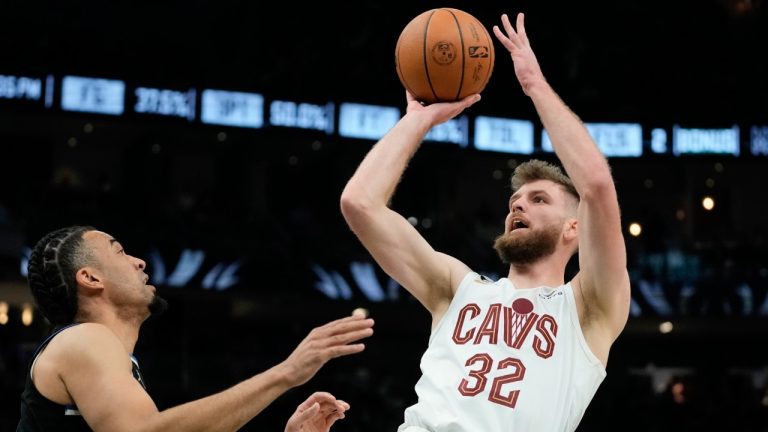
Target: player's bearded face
527,247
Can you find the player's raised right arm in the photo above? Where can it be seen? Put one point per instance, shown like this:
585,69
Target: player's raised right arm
396,245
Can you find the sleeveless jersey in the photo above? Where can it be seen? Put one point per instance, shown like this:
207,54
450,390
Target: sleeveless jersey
503,359
39,413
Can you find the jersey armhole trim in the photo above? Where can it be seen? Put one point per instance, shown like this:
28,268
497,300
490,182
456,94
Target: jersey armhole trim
568,288
465,281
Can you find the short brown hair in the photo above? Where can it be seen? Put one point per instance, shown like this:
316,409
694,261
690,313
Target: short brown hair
535,169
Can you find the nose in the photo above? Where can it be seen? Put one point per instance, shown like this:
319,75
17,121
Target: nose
517,207
140,263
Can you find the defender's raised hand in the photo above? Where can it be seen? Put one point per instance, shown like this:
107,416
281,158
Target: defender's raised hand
327,342
317,414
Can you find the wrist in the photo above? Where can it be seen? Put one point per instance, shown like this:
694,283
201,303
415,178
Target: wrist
285,375
537,87
421,120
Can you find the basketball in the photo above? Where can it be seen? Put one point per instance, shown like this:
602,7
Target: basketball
444,55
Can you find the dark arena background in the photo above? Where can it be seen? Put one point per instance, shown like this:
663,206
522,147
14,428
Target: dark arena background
214,139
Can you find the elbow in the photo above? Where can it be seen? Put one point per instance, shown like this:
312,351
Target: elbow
354,205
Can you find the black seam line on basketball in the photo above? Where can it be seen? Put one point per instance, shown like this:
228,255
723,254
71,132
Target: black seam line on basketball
463,57
424,55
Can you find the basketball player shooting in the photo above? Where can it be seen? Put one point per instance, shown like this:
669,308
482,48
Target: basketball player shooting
526,352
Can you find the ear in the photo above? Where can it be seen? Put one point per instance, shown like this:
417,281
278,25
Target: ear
571,231
87,278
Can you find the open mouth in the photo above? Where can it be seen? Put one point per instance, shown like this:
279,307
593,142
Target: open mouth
517,224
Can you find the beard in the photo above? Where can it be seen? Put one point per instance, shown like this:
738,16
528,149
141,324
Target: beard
157,306
529,247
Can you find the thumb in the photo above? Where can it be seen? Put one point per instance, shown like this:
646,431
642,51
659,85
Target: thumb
308,413
471,99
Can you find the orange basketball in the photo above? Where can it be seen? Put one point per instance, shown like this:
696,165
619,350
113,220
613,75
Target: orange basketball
444,55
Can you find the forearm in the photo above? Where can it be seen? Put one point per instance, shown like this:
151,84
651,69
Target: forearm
575,148
228,410
376,178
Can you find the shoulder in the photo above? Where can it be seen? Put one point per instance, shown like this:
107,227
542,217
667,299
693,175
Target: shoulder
78,354
473,284
607,312
87,343
458,271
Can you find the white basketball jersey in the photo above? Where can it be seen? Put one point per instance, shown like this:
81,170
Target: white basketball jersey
505,360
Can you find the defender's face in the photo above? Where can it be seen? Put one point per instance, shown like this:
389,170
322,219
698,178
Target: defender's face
122,275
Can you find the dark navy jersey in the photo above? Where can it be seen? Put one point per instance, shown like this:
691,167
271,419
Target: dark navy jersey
39,414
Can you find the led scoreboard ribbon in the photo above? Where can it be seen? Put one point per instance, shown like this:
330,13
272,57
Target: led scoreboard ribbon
221,107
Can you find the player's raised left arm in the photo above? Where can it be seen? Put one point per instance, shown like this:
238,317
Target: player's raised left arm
603,277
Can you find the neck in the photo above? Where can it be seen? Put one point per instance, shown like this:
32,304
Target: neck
126,330
548,271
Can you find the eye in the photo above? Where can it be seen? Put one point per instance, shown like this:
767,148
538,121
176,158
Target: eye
121,251
539,199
